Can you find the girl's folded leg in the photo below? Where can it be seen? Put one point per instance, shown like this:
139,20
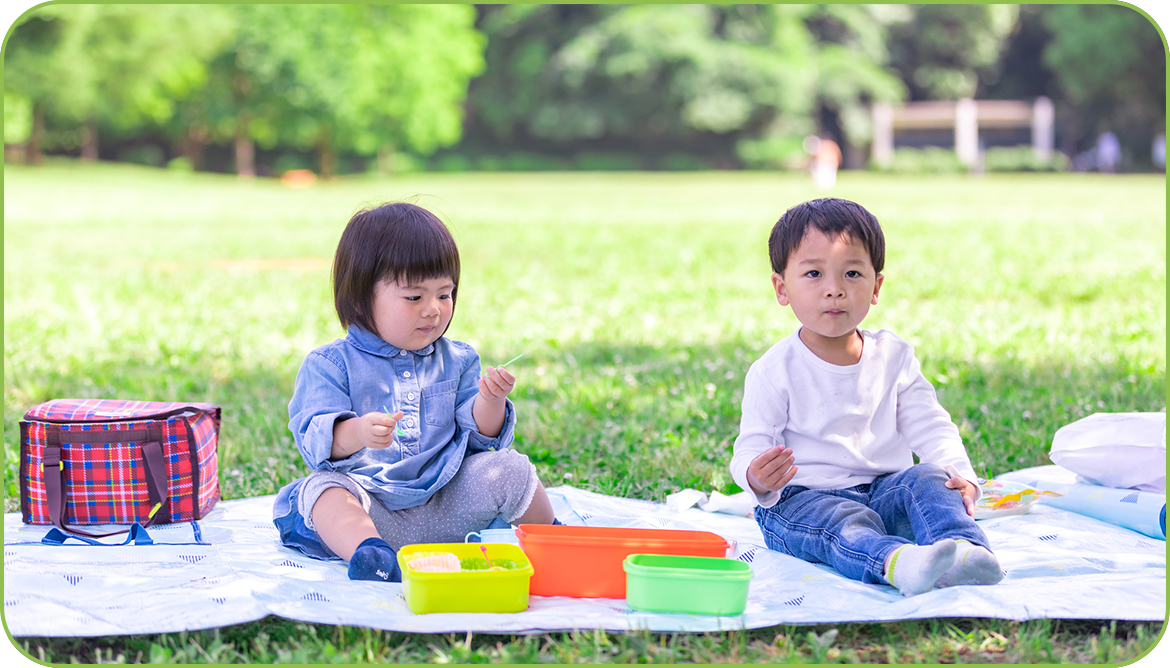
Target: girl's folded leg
539,511
341,522
337,512
499,483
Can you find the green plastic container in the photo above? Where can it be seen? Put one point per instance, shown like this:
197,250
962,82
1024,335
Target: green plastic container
466,591
695,585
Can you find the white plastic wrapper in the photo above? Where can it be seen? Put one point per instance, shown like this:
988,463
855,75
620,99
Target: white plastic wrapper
1115,450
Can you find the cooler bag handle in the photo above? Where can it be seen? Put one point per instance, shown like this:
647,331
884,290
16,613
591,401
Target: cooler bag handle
54,472
137,535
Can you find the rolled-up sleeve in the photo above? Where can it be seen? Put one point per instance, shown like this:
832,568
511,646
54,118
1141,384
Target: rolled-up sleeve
465,399
320,399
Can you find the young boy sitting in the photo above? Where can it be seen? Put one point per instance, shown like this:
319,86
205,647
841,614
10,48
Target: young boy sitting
832,413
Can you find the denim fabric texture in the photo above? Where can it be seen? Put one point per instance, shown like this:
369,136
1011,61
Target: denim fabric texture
435,388
855,529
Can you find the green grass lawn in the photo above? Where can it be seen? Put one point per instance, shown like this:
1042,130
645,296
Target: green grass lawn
639,301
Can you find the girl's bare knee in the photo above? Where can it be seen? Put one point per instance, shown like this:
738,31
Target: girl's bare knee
334,500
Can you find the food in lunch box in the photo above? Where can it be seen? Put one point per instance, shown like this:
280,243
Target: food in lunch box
434,562
481,564
446,562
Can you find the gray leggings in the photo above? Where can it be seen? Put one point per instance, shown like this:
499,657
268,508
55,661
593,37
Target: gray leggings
491,484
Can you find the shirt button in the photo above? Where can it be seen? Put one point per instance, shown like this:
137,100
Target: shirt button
410,395
402,352
410,422
406,374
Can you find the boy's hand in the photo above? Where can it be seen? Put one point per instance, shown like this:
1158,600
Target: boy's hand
772,470
966,488
376,429
495,384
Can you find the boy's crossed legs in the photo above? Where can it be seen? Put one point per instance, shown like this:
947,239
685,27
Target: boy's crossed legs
868,532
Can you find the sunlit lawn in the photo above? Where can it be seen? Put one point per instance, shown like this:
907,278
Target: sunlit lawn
638,299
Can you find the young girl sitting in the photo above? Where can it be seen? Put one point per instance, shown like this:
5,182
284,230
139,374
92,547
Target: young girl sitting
408,443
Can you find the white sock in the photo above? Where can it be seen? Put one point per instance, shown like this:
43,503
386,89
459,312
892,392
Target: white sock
913,569
974,565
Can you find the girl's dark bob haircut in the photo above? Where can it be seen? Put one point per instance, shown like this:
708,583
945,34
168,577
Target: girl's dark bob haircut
399,242
835,218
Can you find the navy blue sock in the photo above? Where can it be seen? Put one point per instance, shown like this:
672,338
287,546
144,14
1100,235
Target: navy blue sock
374,560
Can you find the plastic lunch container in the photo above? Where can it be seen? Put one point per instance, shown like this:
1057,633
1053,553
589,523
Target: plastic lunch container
466,591
586,562
696,585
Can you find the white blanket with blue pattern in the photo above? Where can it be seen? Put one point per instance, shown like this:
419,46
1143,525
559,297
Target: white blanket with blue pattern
230,568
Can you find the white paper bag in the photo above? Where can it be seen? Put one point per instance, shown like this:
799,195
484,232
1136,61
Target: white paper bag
1115,450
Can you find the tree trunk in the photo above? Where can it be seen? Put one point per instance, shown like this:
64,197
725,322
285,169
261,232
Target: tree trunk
33,154
245,148
192,146
245,156
192,150
89,140
1071,135
15,153
386,160
328,156
854,157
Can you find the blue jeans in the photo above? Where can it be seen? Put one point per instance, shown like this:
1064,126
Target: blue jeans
855,529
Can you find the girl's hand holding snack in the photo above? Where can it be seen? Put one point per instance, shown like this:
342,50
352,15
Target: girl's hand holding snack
376,429
495,384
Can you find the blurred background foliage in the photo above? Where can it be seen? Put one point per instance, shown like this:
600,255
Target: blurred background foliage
267,88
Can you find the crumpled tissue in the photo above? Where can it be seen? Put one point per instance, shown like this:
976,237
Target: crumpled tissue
740,504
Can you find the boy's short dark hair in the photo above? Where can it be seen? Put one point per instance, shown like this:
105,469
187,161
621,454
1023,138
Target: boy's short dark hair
399,241
835,218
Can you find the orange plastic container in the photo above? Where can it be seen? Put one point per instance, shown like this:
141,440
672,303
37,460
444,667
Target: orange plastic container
586,562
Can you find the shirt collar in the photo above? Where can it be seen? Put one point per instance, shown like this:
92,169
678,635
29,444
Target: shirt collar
367,341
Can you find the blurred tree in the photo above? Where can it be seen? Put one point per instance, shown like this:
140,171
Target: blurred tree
1022,74
278,81
1110,63
943,51
521,40
660,78
851,57
37,74
120,66
649,77
17,119
342,77
418,61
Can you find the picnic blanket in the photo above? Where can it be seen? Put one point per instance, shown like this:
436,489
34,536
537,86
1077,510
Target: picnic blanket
230,568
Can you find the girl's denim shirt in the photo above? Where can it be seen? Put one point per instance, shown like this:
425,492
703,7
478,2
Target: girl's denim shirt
434,387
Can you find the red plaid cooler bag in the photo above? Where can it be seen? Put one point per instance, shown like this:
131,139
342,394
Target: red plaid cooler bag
100,461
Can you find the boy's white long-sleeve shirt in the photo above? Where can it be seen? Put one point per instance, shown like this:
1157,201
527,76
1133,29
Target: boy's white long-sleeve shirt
846,425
